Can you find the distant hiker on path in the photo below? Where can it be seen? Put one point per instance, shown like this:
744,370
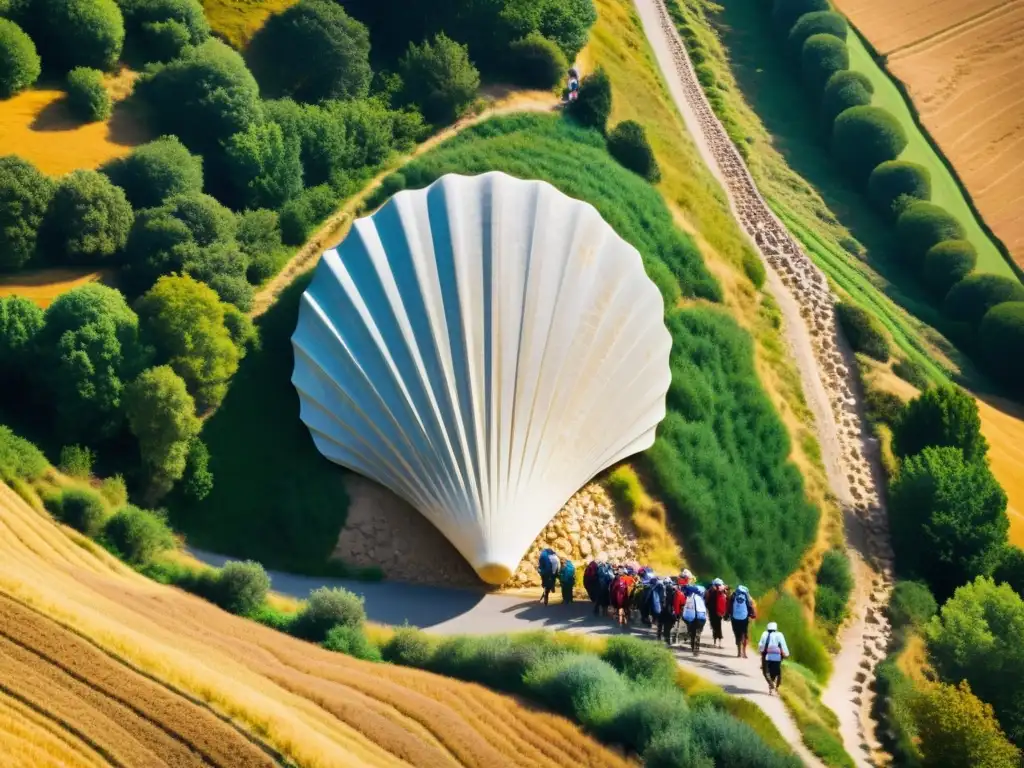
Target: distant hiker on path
773,648
567,578
741,610
695,614
548,567
717,599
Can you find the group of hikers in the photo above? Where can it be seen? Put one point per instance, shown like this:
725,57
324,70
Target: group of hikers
630,590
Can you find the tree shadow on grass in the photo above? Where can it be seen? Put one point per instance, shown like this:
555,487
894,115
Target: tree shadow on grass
56,117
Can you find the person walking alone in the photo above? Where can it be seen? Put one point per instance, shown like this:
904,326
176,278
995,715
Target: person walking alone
773,648
741,610
717,600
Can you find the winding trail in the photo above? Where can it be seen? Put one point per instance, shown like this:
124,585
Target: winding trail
828,371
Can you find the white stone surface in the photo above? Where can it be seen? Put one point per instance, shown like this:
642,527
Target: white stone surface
482,347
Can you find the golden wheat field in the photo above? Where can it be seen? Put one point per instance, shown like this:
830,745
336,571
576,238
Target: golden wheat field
99,666
963,62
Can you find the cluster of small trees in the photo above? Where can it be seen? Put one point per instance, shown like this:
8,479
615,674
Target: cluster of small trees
867,142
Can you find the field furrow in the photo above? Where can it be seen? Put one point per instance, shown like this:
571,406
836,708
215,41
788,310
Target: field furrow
32,740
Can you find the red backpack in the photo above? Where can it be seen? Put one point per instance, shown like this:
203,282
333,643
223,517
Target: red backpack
719,603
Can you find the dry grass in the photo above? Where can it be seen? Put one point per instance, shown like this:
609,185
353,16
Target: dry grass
656,544
31,740
236,21
913,661
44,285
37,125
112,636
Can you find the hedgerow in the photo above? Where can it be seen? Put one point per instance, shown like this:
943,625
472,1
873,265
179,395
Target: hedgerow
947,263
845,89
864,137
922,225
817,23
821,57
896,183
785,13
863,332
1001,337
970,300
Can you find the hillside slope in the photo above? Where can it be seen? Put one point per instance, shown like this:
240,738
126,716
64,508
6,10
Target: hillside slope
99,665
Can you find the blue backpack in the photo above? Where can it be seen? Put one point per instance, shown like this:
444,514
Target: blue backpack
548,565
740,606
568,573
605,576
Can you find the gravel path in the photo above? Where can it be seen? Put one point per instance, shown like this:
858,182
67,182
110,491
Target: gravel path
831,386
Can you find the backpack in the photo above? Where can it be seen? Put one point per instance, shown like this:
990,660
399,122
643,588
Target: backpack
669,603
549,564
700,608
590,574
740,607
620,589
568,573
718,602
690,608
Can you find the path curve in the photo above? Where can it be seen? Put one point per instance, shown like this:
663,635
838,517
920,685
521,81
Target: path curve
828,371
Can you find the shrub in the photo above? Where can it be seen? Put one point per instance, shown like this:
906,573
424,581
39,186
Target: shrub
87,96
585,688
198,480
940,416
158,30
729,741
978,636
327,608
844,90
970,300
19,62
785,13
817,23
641,661
19,459
923,225
335,63
241,587
409,647
1011,569
351,641
594,103
912,372
536,62
164,40
754,268
115,491
643,717
862,331
821,57
957,728
83,509
138,535
25,194
896,183
1001,338
947,263
439,78
259,232
156,171
676,748
76,461
864,137
883,407
77,33
88,219
627,143
948,518
835,571
299,216
911,605
264,166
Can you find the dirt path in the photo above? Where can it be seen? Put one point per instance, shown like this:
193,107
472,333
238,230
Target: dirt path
831,386
333,230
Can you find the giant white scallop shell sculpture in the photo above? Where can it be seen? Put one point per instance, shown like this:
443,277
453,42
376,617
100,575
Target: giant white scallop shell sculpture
482,347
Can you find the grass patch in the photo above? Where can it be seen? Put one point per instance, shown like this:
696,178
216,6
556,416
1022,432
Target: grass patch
42,286
819,726
656,544
236,21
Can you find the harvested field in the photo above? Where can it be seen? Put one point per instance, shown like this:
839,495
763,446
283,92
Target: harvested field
98,663
962,62
44,285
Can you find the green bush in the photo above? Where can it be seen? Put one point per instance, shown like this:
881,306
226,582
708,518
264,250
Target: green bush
439,78
88,219
327,608
536,62
940,416
1011,569
259,232
88,98
77,33
19,459
786,13
499,662
164,40
676,748
817,23
159,30
627,143
76,461
923,225
641,661
583,687
947,263
865,137
241,587
835,571
883,407
82,509
864,333
947,517
911,605
844,90
351,641
821,57
299,216
970,300
25,194
896,183
409,647
912,372
138,535
155,172
264,166
1001,338
643,717
754,268
198,480
728,741
593,106
19,62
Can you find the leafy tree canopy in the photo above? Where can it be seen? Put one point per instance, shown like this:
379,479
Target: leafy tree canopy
265,166
19,63
87,221
76,33
156,171
940,416
25,195
439,78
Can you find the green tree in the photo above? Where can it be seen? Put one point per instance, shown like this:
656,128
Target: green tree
821,57
184,321
958,730
627,143
817,23
335,60
979,637
88,98
786,13
537,62
947,263
970,300
25,195
864,137
843,90
87,221
439,78
1001,338
77,33
594,104
19,62
87,349
896,183
162,416
156,171
1011,569
923,225
264,165
20,321
158,30
198,480
948,518
941,416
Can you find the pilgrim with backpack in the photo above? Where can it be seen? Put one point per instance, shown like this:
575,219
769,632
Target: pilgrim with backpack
567,578
548,567
717,599
741,610
665,595
695,614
